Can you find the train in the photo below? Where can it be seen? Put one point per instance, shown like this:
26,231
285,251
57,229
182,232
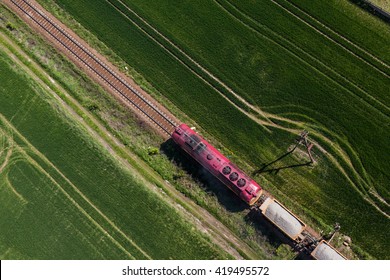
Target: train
217,164
249,191
198,148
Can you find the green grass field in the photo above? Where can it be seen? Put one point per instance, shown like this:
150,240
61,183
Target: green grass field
292,66
64,196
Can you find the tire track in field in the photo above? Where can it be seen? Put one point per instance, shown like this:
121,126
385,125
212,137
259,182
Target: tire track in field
177,48
2,168
6,163
213,227
8,154
40,169
82,210
35,151
341,152
273,116
362,191
344,155
268,122
377,59
367,182
304,61
221,83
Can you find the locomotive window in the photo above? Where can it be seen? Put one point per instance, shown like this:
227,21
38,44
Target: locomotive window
210,156
233,176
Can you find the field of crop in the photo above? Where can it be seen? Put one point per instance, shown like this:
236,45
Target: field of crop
268,69
64,196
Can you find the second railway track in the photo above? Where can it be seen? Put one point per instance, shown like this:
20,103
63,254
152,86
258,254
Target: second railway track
103,73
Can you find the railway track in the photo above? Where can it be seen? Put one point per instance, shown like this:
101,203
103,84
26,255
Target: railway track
104,73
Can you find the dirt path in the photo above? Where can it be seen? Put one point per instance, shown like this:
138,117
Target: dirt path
204,221
6,159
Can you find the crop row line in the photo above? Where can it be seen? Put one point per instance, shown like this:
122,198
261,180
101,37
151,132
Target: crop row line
181,56
66,193
102,71
68,187
338,39
251,116
327,71
343,155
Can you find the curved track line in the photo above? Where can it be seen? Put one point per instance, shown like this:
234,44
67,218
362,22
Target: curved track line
365,93
7,157
366,181
5,164
268,122
219,234
48,162
39,168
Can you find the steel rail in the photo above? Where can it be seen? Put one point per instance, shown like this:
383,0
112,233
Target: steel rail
46,24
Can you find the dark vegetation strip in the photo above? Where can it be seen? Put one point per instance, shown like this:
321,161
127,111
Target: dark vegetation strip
347,21
373,9
339,38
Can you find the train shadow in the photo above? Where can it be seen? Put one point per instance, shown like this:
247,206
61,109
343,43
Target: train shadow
265,228
207,181
272,234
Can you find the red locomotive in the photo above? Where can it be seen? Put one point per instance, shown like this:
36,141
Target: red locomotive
210,158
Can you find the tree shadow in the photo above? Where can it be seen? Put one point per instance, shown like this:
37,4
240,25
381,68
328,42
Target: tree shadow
208,181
